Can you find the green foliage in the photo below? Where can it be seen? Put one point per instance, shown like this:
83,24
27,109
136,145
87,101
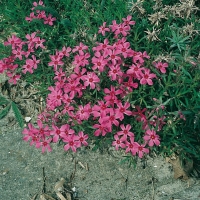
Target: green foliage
5,111
7,105
130,160
3,100
179,41
18,114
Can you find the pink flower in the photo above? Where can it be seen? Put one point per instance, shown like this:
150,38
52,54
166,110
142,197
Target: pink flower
68,109
66,131
140,114
111,97
124,48
83,113
131,146
136,70
130,84
146,77
44,144
127,20
85,59
99,62
32,16
141,149
35,62
81,60
73,87
101,109
119,142
40,3
56,133
113,56
77,61
39,42
13,77
68,99
103,47
181,115
55,61
29,132
55,97
82,139
28,67
103,29
110,119
88,108
49,20
161,122
65,51
59,74
72,143
125,131
2,66
114,26
78,73
43,131
7,64
12,67
115,72
137,57
112,92
44,116
29,50
157,122
60,83
41,14
30,38
145,55
102,128
90,79
18,53
121,110
123,29
161,66
74,118
80,48
152,138
14,41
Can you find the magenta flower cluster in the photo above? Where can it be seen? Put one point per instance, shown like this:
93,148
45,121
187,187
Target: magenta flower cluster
41,15
23,51
107,60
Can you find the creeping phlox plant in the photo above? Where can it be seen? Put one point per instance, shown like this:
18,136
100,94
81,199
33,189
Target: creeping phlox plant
107,73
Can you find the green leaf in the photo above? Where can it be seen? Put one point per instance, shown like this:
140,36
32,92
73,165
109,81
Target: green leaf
5,111
3,100
186,112
166,102
18,115
186,73
126,159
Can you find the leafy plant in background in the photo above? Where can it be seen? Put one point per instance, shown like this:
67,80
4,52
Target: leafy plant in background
178,41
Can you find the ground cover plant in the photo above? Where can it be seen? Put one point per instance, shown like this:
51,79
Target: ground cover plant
117,73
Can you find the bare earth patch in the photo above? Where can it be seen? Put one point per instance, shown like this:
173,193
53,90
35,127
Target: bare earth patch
26,173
